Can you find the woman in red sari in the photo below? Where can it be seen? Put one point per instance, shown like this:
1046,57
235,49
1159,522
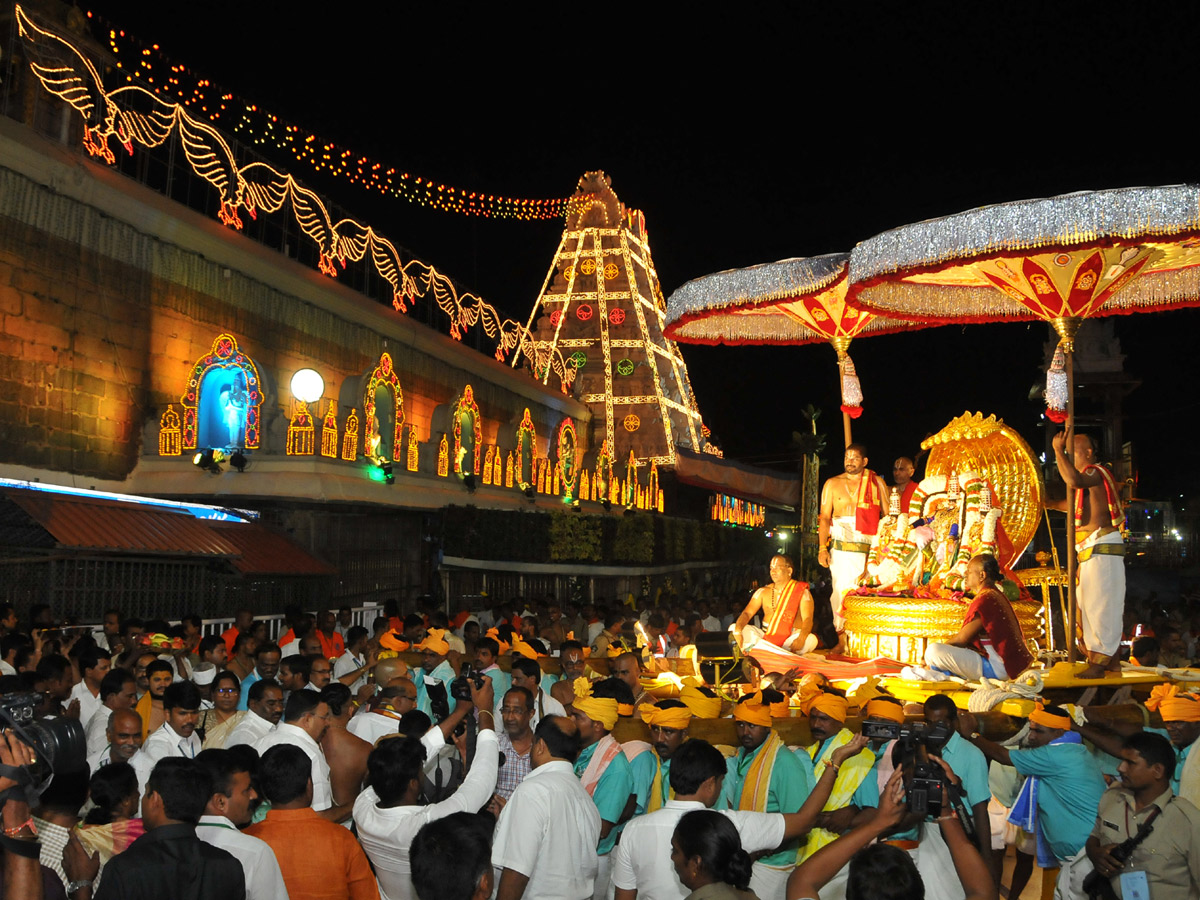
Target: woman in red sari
990,642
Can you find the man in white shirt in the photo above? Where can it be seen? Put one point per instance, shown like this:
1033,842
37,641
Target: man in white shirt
354,661
546,837
707,620
228,808
124,739
697,774
526,673
176,736
94,663
305,719
118,690
265,705
387,814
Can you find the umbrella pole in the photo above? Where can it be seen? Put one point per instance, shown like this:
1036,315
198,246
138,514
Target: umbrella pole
846,428
841,344
1067,327
1069,449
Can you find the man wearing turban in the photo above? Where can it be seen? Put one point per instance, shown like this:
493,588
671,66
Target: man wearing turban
854,789
433,687
603,769
1061,793
1180,713
764,776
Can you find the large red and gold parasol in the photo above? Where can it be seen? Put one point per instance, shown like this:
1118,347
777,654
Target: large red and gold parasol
1062,260
793,301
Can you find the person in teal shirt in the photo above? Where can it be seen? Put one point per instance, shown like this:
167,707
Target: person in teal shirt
437,671
789,785
1067,782
486,651
603,767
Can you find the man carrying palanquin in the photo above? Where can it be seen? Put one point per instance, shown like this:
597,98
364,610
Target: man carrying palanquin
764,776
851,506
1094,502
787,608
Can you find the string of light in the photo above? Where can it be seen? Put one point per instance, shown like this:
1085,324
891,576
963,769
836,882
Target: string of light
134,114
259,127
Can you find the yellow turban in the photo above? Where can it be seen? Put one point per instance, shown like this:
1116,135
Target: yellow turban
678,717
812,697
885,709
521,648
615,650
1174,706
391,640
1039,716
435,642
752,709
624,709
598,709
701,705
494,634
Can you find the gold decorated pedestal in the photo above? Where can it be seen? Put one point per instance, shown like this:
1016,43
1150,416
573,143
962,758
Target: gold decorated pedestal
900,628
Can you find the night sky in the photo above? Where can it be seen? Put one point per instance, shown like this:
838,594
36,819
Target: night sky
746,137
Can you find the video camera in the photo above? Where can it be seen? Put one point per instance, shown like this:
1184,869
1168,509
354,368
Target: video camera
925,785
58,743
460,689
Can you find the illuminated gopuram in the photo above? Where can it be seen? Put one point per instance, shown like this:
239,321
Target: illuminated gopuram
600,315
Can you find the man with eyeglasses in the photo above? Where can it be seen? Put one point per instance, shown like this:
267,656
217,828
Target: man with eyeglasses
265,711
516,743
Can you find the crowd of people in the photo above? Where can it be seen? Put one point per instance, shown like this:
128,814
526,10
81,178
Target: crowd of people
321,765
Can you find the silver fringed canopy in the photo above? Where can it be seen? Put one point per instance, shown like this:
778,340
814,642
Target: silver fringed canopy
1088,253
793,301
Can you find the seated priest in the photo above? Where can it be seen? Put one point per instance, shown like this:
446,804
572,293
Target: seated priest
787,609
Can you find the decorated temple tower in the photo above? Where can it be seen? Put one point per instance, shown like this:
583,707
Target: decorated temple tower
599,318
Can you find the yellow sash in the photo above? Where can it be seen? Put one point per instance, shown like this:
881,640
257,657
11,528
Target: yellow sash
757,786
851,774
655,801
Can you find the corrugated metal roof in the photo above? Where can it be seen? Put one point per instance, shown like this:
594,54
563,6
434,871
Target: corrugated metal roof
97,524
263,552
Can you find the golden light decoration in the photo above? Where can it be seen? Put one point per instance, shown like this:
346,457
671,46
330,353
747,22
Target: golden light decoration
139,115
384,375
443,465
301,435
611,271
329,432
466,405
170,442
350,438
413,449
631,422
487,464
261,128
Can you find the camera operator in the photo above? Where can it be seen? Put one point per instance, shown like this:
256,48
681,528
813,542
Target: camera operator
883,870
22,868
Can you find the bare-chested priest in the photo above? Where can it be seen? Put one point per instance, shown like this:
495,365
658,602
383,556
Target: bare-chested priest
787,609
1094,499
851,505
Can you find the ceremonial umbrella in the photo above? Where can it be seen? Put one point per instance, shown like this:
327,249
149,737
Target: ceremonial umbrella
1061,260
793,301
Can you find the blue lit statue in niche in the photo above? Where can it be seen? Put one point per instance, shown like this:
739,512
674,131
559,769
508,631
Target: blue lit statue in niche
224,401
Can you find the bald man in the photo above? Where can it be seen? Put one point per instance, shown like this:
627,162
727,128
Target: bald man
124,739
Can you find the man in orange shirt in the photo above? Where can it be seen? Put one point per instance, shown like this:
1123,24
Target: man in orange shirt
319,860
243,621
332,644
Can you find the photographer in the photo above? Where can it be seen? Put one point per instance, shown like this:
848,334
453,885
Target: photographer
388,815
22,870
883,871
1165,861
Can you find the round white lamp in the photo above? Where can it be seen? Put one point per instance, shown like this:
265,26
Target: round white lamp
308,386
